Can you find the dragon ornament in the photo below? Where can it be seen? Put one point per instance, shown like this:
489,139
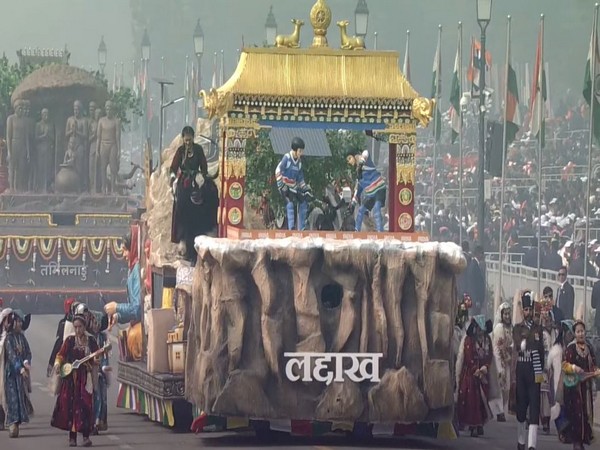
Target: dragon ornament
422,110
216,103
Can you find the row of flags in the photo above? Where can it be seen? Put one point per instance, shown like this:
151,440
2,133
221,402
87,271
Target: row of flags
191,85
535,88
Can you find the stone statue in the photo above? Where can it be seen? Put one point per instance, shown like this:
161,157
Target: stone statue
93,118
18,145
108,148
70,159
77,131
31,135
44,149
87,156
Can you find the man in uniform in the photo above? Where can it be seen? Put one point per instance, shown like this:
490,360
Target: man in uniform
529,353
291,185
370,189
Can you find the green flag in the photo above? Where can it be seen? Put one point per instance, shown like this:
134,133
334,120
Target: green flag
455,98
436,90
587,84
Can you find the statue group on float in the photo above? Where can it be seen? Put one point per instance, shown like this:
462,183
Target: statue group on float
93,150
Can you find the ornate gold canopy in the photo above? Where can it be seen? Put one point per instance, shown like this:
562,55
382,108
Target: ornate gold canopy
318,84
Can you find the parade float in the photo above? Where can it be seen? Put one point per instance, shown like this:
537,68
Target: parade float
58,237
307,332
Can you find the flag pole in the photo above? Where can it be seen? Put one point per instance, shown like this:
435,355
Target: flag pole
500,290
542,130
406,65
460,138
589,171
186,108
435,124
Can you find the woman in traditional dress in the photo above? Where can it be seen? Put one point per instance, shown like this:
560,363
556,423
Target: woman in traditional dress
556,355
473,368
74,409
543,313
16,374
502,342
579,406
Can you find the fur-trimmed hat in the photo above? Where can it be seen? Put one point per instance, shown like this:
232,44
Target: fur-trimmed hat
25,318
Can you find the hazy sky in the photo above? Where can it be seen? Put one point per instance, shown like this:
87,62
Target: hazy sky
80,24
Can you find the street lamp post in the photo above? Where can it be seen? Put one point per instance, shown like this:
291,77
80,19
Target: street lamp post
361,18
199,50
161,117
102,55
484,16
271,28
146,61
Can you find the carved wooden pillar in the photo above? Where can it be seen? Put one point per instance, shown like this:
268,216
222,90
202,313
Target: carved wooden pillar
233,172
402,167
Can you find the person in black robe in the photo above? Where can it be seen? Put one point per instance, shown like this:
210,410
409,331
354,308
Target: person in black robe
191,214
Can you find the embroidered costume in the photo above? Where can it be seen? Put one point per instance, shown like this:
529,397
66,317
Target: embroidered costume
502,342
579,398
474,371
370,191
529,373
16,383
290,182
74,411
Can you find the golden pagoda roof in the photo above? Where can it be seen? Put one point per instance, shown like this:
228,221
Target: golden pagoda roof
318,73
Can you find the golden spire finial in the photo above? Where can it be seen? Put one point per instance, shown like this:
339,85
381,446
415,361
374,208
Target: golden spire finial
320,18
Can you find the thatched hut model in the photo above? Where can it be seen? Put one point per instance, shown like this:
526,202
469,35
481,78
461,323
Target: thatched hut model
56,87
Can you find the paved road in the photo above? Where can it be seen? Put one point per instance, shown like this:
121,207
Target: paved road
129,431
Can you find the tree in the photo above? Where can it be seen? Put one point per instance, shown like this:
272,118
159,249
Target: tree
126,103
261,162
10,77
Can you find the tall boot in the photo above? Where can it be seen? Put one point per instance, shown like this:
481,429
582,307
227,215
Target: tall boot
533,430
378,216
302,211
13,430
359,218
291,214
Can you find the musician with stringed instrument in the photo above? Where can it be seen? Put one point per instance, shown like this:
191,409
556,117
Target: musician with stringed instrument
77,364
579,370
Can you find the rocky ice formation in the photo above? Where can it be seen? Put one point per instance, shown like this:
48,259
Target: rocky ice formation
255,300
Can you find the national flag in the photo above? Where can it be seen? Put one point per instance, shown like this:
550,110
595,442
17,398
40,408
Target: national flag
406,65
587,82
455,92
476,65
512,114
538,94
436,88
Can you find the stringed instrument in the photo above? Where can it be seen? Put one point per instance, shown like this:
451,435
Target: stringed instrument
68,368
573,379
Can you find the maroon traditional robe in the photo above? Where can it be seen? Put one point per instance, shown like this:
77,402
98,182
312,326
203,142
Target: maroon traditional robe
74,405
473,392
